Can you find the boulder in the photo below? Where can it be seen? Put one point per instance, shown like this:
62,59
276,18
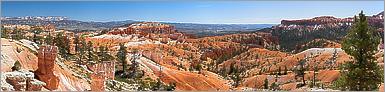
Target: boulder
21,81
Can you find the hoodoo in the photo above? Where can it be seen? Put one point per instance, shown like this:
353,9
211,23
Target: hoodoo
46,63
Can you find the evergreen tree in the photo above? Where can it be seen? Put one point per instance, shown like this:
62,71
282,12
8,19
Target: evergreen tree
301,71
103,54
17,35
236,77
134,64
266,84
157,85
279,70
77,42
61,42
274,86
363,73
171,87
82,48
90,52
4,32
122,55
48,39
35,33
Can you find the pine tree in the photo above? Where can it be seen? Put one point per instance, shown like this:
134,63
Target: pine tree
4,32
103,53
274,86
48,39
61,42
90,52
266,84
17,34
279,70
81,46
122,55
82,49
77,42
236,77
157,85
134,64
363,73
301,71
35,33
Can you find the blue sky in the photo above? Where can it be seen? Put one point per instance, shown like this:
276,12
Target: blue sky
235,12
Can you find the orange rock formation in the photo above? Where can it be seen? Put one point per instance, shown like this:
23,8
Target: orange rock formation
97,81
106,68
46,63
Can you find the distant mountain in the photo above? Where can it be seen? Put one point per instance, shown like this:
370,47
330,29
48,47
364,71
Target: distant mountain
42,18
63,23
220,27
76,25
203,30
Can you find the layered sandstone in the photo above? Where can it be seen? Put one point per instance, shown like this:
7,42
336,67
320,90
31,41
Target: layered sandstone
46,63
97,81
144,28
327,21
105,68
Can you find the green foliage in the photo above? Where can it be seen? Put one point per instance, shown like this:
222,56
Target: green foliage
341,83
363,73
266,84
48,39
4,32
170,87
198,67
17,34
290,39
236,78
91,56
152,85
61,42
16,66
122,55
35,33
103,54
301,71
81,49
274,86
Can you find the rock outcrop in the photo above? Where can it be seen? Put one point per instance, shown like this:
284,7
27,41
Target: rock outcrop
97,81
21,81
46,63
105,68
328,21
144,28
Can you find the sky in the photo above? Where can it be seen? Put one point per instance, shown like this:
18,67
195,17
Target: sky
204,12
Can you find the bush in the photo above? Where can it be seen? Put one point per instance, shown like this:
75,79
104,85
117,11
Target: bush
16,66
